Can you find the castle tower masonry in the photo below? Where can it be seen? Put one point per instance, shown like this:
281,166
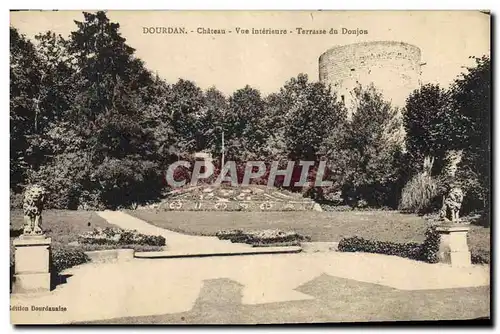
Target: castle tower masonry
393,67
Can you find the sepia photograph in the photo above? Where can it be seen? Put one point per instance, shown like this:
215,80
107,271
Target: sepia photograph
177,167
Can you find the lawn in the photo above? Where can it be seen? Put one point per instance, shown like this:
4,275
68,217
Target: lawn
64,226
320,226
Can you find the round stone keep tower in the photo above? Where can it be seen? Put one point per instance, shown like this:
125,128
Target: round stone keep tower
393,68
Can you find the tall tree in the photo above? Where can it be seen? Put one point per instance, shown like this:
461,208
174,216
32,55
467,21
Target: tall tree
119,160
243,126
372,172
157,116
312,113
274,120
471,98
24,79
429,123
213,124
187,113
103,57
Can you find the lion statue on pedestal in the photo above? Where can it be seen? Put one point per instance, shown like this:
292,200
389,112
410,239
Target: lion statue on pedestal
34,198
453,194
452,202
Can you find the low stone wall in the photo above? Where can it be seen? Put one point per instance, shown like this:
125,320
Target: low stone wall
319,247
111,255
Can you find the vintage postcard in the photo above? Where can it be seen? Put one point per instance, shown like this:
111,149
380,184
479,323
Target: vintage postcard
249,167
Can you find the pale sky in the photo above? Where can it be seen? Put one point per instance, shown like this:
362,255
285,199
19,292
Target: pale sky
231,61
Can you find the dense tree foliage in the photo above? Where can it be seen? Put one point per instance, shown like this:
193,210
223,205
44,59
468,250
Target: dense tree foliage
23,92
78,121
90,122
243,131
312,113
372,169
471,99
428,119
437,120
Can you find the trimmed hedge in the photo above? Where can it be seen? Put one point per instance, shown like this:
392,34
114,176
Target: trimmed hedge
430,247
262,238
63,258
409,250
478,258
118,236
426,251
99,247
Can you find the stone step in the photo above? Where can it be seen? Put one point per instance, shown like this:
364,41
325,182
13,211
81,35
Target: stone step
319,247
221,252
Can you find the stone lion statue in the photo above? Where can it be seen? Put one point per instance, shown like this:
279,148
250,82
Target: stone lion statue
34,198
452,202
453,194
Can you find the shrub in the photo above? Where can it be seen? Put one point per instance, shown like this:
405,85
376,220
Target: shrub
418,194
228,234
126,182
336,208
262,237
409,250
74,182
118,236
430,247
16,200
427,251
135,247
63,258
91,200
63,178
132,237
12,272
480,258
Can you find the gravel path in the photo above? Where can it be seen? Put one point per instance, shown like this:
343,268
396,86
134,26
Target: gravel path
176,242
151,287
167,286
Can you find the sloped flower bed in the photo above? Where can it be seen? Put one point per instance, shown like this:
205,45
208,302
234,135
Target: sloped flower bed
251,206
227,198
231,193
263,238
118,236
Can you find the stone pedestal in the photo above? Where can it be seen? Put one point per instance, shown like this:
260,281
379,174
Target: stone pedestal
453,247
32,264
